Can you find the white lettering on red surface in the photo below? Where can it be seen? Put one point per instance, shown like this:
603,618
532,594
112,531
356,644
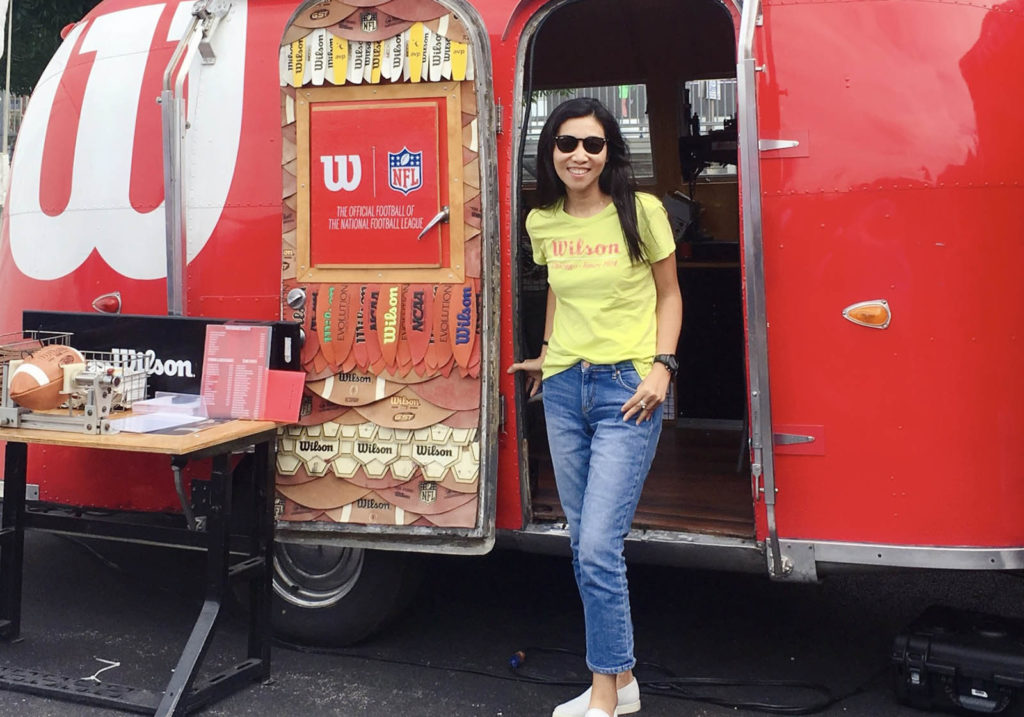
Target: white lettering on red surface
87,103
341,180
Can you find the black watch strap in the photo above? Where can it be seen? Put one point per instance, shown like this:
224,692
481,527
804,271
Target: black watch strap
668,361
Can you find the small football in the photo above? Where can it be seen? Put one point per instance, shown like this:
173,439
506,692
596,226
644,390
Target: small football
36,382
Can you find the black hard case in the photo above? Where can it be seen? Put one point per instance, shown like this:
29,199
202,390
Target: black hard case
959,661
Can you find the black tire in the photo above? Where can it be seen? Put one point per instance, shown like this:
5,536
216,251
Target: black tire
334,597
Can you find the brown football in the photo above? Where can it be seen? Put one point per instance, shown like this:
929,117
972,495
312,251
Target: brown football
37,381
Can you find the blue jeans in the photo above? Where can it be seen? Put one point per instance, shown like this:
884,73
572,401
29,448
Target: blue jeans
600,465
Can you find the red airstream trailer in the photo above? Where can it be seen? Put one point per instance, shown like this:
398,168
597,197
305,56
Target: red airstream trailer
844,178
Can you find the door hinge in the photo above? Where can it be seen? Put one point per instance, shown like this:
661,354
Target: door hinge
501,413
499,121
756,476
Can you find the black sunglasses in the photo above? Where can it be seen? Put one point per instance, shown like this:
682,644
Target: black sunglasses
566,143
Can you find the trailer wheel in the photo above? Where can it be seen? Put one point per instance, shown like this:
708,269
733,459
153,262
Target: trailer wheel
326,595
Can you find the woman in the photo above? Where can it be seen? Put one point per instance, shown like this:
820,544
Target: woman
612,322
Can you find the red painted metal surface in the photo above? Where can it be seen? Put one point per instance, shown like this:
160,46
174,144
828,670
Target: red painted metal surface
910,189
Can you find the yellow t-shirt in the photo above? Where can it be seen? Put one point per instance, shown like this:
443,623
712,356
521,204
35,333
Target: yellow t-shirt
605,305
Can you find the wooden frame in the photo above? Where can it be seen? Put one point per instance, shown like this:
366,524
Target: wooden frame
454,272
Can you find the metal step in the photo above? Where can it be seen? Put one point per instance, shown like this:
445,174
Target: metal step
76,689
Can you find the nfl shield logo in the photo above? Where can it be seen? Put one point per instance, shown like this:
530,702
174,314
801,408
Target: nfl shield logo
369,21
405,170
428,492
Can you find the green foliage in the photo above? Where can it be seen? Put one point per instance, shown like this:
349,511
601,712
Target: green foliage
37,26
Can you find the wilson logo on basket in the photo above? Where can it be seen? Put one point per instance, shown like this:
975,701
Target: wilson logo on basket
374,449
434,451
316,447
148,361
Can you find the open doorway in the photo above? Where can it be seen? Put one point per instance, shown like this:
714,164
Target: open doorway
667,70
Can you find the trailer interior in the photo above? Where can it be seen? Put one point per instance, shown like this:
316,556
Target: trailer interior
667,70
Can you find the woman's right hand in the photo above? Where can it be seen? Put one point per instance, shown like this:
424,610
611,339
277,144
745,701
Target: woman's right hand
532,367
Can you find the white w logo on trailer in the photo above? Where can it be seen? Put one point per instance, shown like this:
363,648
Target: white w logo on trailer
47,245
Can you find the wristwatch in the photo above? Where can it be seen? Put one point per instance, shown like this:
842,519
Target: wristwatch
668,361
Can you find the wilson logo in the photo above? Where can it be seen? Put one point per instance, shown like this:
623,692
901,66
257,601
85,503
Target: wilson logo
390,330
337,177
374,449
371,504
434,451
152,364
464,318
88,175
315,447
568,247
351,377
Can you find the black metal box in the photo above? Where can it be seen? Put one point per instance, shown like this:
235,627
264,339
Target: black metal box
959,661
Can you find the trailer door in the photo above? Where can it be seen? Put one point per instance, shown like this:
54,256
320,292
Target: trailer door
883,203
388,175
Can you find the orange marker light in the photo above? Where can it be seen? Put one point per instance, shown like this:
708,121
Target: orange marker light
874,314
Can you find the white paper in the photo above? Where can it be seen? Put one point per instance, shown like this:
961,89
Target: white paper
149,422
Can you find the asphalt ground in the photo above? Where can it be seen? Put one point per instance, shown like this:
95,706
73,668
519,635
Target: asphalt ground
448,653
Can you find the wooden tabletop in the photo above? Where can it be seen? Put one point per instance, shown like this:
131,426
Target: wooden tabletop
209,440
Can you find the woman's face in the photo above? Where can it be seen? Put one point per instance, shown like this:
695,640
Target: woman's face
578,169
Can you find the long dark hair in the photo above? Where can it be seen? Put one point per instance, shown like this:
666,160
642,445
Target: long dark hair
616,179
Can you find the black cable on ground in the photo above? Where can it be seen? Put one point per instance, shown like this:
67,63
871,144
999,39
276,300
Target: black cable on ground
667,685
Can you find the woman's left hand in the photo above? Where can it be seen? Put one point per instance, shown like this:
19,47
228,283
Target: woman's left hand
649,395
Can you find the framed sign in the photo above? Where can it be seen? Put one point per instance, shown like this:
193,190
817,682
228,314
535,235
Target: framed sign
377,167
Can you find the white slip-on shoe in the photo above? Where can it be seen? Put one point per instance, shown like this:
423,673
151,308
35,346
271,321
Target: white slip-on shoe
628,697
595,712
576,707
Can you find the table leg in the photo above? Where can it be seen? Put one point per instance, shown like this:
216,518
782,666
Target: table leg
262,547
218,526
12,539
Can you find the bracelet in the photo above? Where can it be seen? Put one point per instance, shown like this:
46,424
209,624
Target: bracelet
544,342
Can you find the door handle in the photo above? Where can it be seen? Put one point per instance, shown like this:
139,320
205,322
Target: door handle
441,216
